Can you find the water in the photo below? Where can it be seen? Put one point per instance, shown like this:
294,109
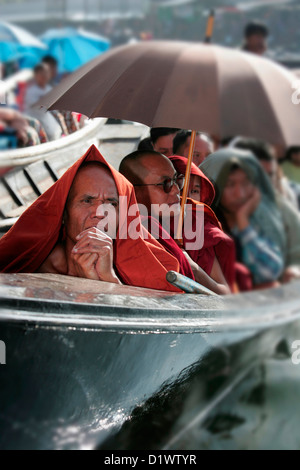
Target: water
261,414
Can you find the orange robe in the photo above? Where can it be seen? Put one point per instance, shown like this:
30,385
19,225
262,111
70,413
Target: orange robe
30,241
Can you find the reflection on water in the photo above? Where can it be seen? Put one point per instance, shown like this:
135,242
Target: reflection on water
260,411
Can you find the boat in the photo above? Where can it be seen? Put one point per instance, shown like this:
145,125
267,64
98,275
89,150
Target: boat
104,366
89,365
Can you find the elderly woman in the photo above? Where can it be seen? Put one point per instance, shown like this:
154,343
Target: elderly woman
246,205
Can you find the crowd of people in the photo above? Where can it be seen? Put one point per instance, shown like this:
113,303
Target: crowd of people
247,206
22,124
241,225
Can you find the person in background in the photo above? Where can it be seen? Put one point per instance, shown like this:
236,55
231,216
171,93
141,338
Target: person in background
203,146
145,144
255,38
52,63
66,119
27,130
247,206
265,153
162,140
200,188
285,198
291,164
37,90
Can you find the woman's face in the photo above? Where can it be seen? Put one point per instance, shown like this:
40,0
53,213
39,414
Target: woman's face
237,191
194,188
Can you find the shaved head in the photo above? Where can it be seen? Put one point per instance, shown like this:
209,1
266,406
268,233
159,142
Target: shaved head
147,171
138,165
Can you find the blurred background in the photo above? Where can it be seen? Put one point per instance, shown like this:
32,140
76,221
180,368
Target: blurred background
125,20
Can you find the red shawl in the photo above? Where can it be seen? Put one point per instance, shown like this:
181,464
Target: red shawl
215,244
30,241
207,189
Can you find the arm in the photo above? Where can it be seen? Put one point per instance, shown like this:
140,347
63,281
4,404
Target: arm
215,282
261,256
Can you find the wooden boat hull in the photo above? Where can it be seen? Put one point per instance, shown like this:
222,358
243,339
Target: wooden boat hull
82,358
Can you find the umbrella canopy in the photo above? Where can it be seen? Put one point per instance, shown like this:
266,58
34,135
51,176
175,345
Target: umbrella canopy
218,90
72,48
14,41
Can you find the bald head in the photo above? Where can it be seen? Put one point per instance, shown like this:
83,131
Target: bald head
148,171
137,166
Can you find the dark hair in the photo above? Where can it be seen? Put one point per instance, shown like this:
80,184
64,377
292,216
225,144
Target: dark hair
180,139
256,27
50,60
145,145
40,68
290,152
260,149
157,132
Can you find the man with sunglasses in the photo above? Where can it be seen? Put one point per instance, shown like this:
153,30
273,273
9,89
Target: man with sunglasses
157,187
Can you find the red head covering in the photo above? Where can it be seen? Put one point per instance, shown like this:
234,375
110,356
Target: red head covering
30,241
207,190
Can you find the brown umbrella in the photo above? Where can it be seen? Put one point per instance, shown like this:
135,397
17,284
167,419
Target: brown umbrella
218,90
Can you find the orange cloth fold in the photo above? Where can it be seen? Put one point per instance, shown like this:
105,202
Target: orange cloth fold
29,242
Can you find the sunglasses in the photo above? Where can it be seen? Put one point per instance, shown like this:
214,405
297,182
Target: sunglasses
168,183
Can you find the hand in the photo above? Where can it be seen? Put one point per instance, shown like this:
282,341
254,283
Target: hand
95,242
247,209
85,265
291,273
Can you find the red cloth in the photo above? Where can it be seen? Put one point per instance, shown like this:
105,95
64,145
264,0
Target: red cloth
165,239
215,240
30,241
207,189
215,244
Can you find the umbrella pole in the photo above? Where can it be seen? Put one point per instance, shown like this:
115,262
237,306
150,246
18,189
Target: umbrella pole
185,188
210,27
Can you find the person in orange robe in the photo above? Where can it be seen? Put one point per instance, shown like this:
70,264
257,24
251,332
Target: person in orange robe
59,233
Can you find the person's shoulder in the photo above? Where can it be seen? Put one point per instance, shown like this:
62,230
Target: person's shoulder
56,263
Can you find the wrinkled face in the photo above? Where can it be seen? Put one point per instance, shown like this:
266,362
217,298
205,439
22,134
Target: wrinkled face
194,188
164,145
256,43
237,191
203,148
93,202
158,169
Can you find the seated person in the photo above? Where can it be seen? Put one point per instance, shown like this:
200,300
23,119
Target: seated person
28,131
265,153
65,231
247,207
200,188
36,91
291,164
162,139
157,187
203,146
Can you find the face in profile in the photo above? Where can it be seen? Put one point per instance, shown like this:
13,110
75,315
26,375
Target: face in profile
203,148
93,202
164,145
238,189
159,170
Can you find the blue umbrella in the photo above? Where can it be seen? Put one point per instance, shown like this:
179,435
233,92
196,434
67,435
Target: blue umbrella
73,48
16,42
